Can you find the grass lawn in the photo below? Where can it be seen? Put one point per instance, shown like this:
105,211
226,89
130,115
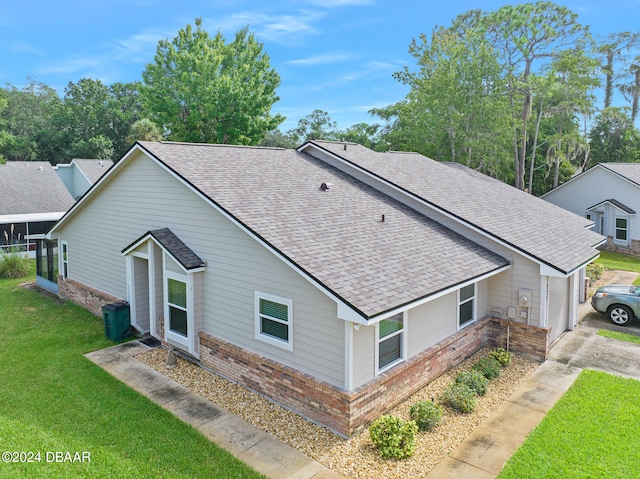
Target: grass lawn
592,432
53,399
619,261
631,338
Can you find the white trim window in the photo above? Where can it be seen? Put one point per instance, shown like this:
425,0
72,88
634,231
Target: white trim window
64,259
274,320
622,230
466,305
390,342
177,305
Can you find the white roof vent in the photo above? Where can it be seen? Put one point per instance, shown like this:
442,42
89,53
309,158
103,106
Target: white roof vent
326,186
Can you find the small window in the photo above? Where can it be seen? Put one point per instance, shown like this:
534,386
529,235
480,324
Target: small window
390,336
621,229
274,320
466,305
65,259
177,303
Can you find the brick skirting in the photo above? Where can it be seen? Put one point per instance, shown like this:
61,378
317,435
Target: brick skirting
83,295
347,412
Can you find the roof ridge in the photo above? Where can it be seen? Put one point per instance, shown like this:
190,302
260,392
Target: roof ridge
217,145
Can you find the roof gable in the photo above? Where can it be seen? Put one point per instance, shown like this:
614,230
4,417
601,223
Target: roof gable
173,245
616,204
544,232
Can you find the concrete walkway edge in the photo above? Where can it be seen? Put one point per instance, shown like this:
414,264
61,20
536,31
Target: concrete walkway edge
258,449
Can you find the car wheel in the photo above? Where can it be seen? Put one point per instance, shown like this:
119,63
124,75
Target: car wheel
620,314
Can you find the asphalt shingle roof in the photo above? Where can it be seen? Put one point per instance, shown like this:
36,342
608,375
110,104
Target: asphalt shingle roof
175,246
93,169
615,203
539,229
336,236
630,171
28,187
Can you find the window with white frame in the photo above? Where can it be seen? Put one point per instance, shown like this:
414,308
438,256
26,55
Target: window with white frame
390,338
177,304
65,259
466,305
622,225
274,320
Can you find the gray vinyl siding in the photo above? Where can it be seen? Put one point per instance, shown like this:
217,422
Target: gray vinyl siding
431,322
80,182
143,197
141,274
364,361
593,187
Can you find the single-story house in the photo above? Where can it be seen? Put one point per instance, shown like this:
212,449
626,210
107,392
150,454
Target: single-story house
607,194
333,279
80,174
33,199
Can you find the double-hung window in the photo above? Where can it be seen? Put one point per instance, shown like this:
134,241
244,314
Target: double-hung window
65,259
274,320
622,226
466,305
390,339
177,303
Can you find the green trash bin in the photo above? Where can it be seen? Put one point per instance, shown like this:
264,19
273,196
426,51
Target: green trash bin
116,320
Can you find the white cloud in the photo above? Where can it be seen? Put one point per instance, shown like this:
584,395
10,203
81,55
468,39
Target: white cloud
284,29
340,3
23,47
322,59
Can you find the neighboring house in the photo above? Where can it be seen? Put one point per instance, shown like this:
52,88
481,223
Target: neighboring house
79,175
32,199
335,280
607,194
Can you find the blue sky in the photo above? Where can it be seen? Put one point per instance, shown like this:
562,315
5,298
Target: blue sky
333,55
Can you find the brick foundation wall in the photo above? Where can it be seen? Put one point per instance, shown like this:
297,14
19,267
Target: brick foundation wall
83,295
530,341
347,412
632,249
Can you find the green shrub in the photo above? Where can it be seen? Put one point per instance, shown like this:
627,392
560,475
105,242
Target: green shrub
460,397
426,414
394,438
475,380
13,264
503,356
594,271
489,367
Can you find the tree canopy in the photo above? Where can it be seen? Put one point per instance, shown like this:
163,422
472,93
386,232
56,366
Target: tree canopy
203,89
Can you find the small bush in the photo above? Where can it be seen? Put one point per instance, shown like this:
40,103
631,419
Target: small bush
394,438
460,397
489,367
13,264
503,356
426,414
594,271
475,380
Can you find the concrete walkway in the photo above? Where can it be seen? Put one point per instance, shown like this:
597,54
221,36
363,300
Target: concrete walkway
481,456
252,446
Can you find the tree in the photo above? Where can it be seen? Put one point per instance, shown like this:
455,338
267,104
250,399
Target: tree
524,35
614,138
202,89
29,119
612,51
456,109
124,109
144,130
278,139
6,139
317,125
363,134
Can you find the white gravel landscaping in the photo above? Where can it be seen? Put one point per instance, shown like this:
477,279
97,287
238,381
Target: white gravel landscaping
355,457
